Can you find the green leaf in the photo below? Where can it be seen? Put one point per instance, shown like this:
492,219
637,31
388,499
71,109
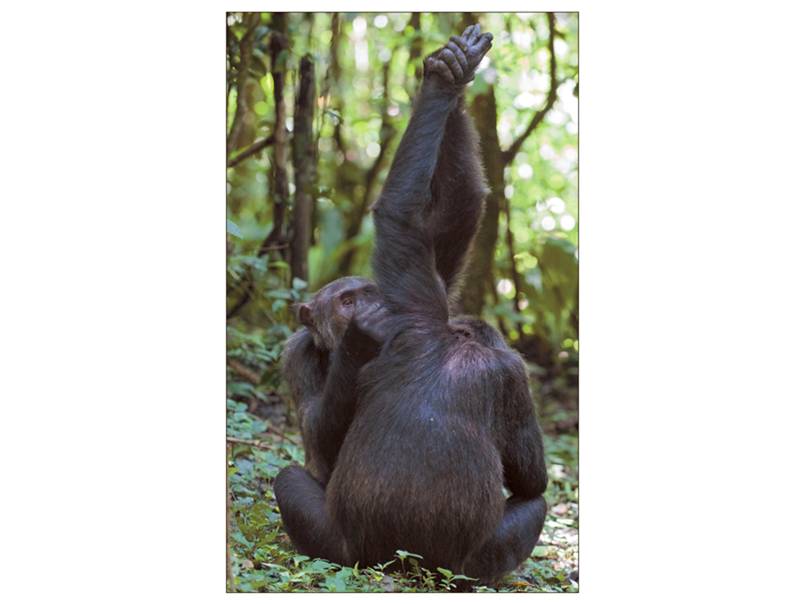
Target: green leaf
319,566
233,229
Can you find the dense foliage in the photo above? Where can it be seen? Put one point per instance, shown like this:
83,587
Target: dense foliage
301,177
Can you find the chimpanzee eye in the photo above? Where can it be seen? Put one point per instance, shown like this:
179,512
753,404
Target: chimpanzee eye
347,300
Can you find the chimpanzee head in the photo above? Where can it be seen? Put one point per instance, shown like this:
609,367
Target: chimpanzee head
329,313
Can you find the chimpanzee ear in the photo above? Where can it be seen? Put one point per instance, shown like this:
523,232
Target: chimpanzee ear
305,314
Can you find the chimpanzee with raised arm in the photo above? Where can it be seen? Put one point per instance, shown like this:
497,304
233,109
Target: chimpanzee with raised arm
413,422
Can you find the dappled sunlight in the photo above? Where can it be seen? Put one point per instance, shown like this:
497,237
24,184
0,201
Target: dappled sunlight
505,287
555,205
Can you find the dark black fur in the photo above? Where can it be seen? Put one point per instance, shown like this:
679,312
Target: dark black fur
410,445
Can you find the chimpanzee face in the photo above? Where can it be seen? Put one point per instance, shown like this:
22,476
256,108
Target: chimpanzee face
329,313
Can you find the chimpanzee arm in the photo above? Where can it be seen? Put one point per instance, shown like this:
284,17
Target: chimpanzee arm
519,436
340,393
325,393
459,189
304,367
325,390
404,259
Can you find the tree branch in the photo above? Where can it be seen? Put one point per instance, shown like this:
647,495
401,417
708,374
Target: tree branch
249,151
257,444
509,154
243,371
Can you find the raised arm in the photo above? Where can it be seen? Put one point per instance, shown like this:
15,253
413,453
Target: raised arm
459,189
404,259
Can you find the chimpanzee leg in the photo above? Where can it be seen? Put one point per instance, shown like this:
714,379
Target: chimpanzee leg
515,537
301,501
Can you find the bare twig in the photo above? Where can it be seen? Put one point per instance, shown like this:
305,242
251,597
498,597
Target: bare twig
280,433
252,149
257,444
243,371
508,155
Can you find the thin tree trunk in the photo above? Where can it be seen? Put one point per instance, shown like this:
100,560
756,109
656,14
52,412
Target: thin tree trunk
416,52
304,161
278,191
386,136
518,287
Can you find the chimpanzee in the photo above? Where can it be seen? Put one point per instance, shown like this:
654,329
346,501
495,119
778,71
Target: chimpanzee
414,422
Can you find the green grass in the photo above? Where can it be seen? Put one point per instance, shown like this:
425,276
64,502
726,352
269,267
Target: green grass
264,560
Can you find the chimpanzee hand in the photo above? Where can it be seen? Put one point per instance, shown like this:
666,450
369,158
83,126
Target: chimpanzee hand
367,330
456,62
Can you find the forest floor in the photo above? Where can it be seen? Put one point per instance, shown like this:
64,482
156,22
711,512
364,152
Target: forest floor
262,559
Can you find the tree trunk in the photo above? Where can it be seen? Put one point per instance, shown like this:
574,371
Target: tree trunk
278,191
518,287
415,56
304,161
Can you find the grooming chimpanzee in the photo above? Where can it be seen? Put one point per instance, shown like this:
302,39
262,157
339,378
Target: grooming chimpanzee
413,422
